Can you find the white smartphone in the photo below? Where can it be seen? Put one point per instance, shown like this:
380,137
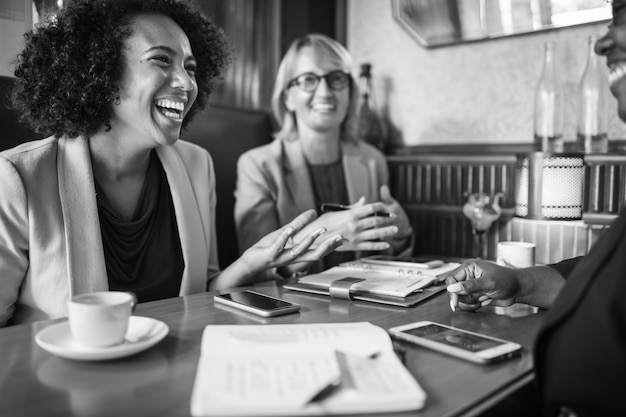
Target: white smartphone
406,261
463,344
257,303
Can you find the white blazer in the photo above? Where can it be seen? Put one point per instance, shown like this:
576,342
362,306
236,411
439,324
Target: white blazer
50,241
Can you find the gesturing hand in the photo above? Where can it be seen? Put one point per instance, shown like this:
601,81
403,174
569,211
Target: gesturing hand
278,248
399,217
478,283
360,226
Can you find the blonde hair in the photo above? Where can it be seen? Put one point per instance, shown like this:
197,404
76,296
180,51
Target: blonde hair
330,49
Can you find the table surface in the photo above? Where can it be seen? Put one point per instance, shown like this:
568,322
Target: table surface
159,381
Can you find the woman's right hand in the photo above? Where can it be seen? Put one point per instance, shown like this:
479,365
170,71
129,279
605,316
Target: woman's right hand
359,225
277,249
478,283
280,248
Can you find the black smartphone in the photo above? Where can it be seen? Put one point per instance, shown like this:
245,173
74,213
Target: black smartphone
463,344
257,303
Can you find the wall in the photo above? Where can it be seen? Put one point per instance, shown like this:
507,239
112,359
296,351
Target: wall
473,93
11,42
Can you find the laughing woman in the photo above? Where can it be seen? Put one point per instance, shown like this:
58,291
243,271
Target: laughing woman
112,200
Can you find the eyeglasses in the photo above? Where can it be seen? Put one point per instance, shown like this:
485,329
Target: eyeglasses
336,80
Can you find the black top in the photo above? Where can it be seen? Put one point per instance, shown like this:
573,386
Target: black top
580,353
329,186
144,254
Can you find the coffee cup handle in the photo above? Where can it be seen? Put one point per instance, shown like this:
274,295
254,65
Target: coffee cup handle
133,303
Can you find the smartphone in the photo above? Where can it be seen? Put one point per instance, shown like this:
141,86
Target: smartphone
463,344
406,261
326,207
257,303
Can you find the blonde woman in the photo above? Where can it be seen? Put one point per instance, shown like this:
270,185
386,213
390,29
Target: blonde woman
316,159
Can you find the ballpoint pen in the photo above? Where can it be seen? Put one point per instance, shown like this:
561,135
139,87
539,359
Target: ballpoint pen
334,384
326,391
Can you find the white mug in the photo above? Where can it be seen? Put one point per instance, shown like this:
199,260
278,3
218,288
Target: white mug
101,319
516,254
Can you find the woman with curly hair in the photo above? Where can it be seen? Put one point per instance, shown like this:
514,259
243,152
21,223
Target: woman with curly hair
112,200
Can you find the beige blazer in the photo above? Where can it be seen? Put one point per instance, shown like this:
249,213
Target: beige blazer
274,185
50,241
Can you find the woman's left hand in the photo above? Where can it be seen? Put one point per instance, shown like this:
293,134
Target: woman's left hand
399,217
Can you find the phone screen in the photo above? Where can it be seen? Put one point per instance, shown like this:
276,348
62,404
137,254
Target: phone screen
451,337
256,300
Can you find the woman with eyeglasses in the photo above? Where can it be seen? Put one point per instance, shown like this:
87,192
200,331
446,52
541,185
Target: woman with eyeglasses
316,159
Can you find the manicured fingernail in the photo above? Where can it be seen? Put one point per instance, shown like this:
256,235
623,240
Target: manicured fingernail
395,229
341,239
454,300
456,287
486,302
321,231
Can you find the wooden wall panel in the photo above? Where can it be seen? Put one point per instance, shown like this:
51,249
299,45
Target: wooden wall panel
605,188
432,187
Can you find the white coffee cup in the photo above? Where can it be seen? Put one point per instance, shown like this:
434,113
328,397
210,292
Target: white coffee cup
516,254
101,319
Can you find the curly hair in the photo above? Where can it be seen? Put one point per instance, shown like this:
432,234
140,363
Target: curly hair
68,71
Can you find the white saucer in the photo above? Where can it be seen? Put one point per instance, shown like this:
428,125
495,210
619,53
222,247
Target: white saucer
143,333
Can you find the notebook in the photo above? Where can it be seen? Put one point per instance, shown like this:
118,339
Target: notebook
277,370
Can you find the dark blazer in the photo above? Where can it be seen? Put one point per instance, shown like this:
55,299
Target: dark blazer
580,355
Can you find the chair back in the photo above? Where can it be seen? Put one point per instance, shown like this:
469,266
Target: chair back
13,132
227,132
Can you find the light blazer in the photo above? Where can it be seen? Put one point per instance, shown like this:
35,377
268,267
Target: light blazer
50,241
274,185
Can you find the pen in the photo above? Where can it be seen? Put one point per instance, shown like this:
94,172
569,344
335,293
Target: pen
326,207
326,391
334,384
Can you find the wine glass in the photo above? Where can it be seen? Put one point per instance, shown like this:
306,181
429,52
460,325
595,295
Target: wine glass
482,210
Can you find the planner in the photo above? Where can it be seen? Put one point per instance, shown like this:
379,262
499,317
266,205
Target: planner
386,283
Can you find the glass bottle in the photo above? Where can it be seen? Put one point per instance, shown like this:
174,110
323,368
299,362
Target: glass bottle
549,106
370,128
593,108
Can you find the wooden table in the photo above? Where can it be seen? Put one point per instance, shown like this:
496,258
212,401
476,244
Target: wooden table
159,381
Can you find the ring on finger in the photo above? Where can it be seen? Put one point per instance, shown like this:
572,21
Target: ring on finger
292,253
